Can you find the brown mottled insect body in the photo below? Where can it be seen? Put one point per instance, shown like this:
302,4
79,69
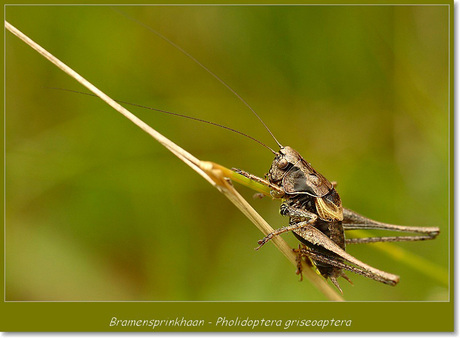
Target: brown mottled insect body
311,198
318,220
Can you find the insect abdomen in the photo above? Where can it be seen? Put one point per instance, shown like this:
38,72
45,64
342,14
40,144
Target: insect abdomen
334,231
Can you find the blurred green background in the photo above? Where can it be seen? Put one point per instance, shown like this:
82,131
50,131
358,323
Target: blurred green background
97,210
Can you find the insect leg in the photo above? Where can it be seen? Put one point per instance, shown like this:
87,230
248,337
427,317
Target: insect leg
291,227
298,259
366,240
279,192
355,221
327,259
316,237
285,209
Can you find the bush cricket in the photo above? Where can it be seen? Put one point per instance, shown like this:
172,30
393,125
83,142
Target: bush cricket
316,216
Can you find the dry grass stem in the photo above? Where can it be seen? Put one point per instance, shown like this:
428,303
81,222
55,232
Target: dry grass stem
211,172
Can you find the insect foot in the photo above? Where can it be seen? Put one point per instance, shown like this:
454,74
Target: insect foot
299,258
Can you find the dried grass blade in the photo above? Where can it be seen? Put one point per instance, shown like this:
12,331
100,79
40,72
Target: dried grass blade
211,172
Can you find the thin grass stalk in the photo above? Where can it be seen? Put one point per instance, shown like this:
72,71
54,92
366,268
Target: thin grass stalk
211,172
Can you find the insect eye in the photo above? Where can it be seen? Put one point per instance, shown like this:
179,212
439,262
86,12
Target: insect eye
283,163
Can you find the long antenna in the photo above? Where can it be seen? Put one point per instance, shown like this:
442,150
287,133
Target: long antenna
201,65
175,114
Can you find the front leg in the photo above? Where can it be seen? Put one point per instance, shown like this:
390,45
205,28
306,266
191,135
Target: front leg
278,192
